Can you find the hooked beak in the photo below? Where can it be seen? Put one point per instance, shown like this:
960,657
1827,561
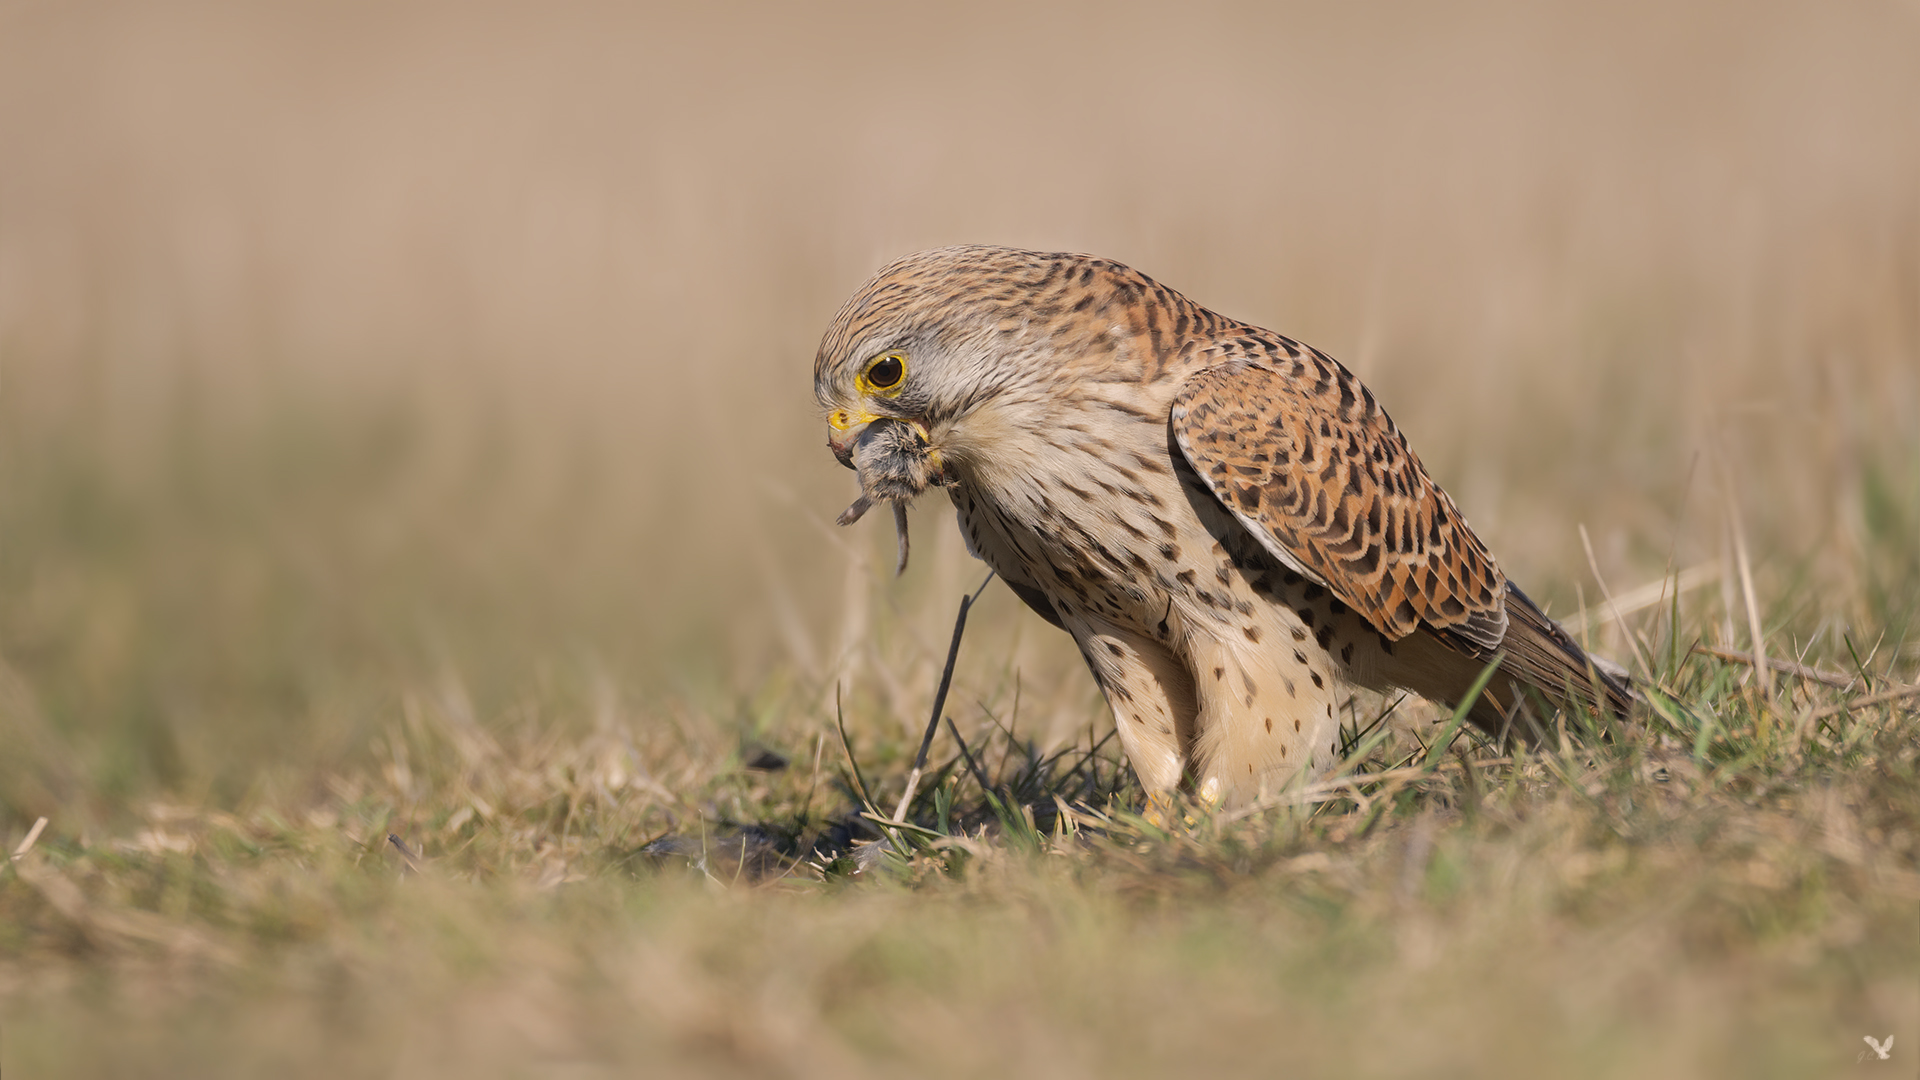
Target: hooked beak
844,428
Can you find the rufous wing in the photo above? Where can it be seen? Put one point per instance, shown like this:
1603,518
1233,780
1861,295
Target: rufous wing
1308,462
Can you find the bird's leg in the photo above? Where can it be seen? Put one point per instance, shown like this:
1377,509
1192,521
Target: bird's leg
1151,696
1266,716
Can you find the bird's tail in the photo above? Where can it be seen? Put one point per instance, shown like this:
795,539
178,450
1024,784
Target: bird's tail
1537,658
1547,657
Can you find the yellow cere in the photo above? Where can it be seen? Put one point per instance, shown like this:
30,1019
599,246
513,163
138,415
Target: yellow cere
842,419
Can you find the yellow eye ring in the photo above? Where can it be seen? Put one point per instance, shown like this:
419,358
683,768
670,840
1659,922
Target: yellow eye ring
886,375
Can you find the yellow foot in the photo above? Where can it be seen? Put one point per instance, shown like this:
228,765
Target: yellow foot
1162,810
1210,794
1168,811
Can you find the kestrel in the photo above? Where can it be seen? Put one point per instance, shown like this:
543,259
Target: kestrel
1226,521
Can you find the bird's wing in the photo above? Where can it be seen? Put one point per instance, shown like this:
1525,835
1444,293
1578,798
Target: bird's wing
1299,452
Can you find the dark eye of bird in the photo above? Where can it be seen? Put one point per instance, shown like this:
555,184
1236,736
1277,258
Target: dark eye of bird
886,371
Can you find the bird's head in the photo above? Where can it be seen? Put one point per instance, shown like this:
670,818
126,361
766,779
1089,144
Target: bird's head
917,354
878,424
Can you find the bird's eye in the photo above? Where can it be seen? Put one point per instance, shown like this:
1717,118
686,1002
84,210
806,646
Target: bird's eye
885,374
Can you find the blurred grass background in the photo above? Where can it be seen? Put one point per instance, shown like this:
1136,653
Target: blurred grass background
353,351
342,344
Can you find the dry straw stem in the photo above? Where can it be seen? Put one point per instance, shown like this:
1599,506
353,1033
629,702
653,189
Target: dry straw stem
1884,697
1755,635
1785,667
1614,609
1645,596
33,835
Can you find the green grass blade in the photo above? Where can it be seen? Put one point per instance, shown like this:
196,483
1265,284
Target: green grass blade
1438,749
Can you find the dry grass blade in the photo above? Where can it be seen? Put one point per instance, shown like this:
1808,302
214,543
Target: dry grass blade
33,836
1786,667
1756,636
1643,596
1884,697
1616,611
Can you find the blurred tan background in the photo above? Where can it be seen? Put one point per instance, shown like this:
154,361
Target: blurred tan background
345,342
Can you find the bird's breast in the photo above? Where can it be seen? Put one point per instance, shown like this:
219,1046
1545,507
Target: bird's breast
1088,508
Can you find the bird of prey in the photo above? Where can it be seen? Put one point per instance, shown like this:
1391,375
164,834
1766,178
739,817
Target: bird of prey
1226,521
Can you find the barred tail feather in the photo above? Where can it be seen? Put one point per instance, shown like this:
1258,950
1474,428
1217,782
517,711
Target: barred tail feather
1541,652
1538,656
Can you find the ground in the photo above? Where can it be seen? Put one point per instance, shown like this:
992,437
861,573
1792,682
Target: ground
1724,886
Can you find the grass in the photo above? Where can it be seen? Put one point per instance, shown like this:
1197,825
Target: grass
423,633
1724,885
